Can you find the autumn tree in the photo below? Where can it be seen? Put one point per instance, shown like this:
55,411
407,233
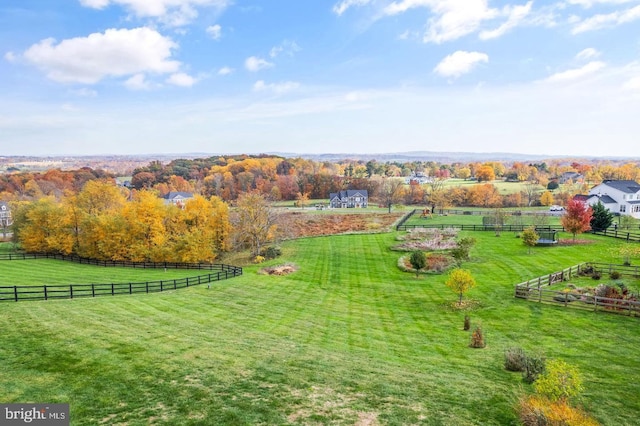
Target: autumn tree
460,281
390,192
485,174
577,217
144,217
530,237
602,218
254,222
485,195
546,199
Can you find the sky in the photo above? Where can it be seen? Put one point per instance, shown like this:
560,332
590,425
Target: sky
122,77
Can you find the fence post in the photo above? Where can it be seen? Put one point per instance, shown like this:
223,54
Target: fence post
93,290
147,286
15,292
130,288
71,291
112,290
161,289
45,292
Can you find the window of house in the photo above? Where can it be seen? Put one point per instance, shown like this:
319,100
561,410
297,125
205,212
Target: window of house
623,209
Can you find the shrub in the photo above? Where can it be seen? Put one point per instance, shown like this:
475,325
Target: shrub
438,262
534,366
258,259
477,338
538,411
467,323
270,252
515,359
596,275
559,382
614,275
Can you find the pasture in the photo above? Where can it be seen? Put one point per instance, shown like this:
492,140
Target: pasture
346,339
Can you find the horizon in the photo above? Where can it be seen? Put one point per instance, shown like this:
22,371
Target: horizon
344,76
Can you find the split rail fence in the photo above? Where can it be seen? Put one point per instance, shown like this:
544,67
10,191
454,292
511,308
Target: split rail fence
217,272
534,290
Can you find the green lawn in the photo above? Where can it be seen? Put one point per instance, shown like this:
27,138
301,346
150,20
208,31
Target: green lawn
50,272
347,338
475,219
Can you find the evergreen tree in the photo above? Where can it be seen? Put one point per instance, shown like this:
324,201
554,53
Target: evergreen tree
602,218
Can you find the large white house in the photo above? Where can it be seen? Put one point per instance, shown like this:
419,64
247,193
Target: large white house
619,196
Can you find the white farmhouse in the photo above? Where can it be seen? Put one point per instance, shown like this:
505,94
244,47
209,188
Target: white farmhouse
619,196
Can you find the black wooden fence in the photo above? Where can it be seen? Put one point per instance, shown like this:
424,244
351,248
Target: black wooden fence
504,228
45,292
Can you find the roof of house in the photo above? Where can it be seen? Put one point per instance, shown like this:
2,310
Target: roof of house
178,194
605,199
348,193
628,186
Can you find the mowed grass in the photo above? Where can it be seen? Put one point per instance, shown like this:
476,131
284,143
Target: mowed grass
475,219
347,339
57,272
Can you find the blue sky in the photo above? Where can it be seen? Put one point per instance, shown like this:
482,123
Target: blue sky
91,77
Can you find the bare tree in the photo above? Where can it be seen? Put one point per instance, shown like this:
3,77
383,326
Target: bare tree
390,192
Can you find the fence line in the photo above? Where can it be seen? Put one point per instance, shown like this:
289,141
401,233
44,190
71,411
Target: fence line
533,290
71,291
504,228
615,233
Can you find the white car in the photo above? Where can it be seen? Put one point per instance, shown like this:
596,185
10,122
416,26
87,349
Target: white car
556,208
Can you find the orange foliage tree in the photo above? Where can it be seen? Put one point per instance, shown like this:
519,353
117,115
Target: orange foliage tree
577,218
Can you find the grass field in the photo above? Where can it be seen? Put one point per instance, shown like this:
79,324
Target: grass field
48,271
462,219
347,339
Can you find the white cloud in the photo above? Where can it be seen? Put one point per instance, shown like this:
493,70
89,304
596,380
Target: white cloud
10,57
181,79
633,84
287,47
278,88
85,93
253,64
459,63
171,12
516,14
137,82
452,18
613,19
225,71
112,53
577,73
589,3
340,8
587,53
215,31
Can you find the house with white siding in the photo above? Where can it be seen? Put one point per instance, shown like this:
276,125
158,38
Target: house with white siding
619,196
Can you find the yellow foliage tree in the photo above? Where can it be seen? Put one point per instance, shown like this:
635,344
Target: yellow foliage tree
546,199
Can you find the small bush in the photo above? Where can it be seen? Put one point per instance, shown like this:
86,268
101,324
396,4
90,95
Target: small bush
477,338
534,367
467,323
537,411
596,275
258,259
515,359
559,382
614,275
270,252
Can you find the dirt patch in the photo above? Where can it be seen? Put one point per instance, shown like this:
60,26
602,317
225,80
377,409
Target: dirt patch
574,243
285,269
299,224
